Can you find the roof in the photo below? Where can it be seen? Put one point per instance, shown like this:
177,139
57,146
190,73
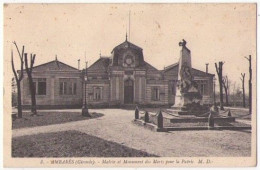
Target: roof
171,66
54,65
193,70
101,64
150,68
125,44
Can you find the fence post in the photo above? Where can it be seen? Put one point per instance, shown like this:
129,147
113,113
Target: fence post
146,117
160,120
229,113
136,113
211,121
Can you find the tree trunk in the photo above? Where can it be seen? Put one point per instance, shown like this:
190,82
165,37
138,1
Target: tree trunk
32,89
18,79
19,100
225,85
221,94
33,98
226,95
243,87
219,72
244,98
250,85
250,97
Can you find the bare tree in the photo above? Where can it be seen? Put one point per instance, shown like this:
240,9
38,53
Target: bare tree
233,93
219,72
18,79
225,83
250,84
31,85
243,87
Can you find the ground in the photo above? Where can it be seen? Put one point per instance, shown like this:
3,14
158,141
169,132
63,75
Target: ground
49,118
62,145
115,129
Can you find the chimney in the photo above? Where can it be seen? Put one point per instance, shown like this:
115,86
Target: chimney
207,69
79,64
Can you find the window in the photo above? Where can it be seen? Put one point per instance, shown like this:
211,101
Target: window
40,86
155,93
202,86
72,88
68,86
97,93
63,88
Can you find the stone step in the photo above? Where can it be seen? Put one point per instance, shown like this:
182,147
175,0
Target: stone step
179,112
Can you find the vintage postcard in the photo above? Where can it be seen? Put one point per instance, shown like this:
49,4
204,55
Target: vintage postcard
130,85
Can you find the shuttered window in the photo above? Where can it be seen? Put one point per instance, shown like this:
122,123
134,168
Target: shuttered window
39,86
155,93
97,93
68,86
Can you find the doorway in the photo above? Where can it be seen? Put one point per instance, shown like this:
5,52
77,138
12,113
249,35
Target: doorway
129,91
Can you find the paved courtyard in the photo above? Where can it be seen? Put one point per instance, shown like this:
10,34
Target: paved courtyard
116,126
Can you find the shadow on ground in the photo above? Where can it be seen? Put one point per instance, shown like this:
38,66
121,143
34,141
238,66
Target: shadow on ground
50,118
70,144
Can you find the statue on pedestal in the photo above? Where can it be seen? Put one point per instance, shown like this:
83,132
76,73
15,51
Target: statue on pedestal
187,96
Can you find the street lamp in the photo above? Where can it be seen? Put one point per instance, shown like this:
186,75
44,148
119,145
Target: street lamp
85,106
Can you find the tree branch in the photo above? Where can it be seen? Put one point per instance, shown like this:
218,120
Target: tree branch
247,58
12,61
216,68
21,75
21,55
26,63
21,59
32,59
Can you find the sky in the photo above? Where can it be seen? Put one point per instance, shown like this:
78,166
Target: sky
214,32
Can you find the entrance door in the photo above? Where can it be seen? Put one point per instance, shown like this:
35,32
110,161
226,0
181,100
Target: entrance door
129,91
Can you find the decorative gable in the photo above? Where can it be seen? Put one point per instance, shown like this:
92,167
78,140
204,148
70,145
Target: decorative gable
54,66
127,54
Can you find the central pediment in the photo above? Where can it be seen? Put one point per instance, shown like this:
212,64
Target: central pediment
127,54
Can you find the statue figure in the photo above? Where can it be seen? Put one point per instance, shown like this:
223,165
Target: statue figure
185,72
183,43
186,82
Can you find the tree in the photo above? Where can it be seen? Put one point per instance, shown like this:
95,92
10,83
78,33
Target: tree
250,84
31,85
219,72
225,83
233,94
14,92
243,87
18,78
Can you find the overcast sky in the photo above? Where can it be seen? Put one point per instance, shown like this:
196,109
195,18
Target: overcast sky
223,32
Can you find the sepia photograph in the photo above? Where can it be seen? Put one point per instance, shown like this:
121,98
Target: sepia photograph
129,85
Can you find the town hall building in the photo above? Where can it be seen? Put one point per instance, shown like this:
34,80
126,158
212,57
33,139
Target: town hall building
124,78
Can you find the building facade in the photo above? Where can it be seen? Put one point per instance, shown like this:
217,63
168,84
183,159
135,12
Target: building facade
57,85
124,78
